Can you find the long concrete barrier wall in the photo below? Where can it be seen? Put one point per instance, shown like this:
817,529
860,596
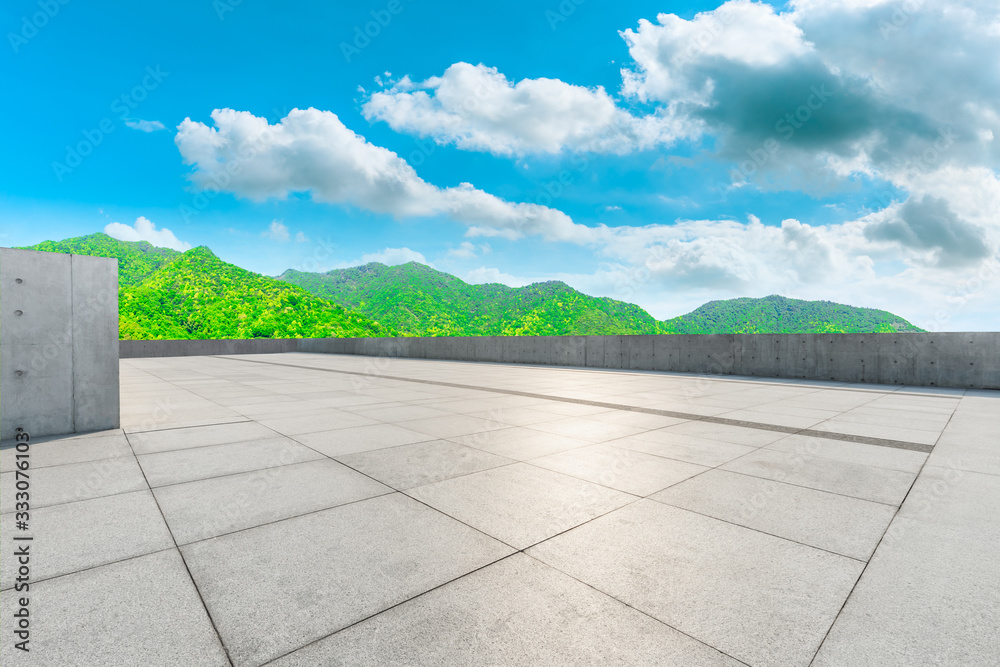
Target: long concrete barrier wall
916,359
132,349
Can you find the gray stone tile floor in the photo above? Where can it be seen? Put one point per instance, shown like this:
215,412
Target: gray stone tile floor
302,509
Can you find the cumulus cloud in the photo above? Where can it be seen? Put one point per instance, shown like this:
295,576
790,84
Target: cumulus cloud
796,99
793,101
670,269
484,275
930,224
476,107
393,257
145,230
667,53
276,231
312,151
467,250
145,125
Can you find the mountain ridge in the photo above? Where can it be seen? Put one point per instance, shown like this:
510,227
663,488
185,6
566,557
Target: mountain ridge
166,293
419,300
365,288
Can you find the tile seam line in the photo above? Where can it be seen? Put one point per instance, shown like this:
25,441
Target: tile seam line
88,568
80,500
326,457
125,432
389,608
404,493
708,469
637,609
829,435
878,545
237,531
523,551
194,584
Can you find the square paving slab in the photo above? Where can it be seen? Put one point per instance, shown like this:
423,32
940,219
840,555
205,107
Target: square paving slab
79,535
59,484
186,465
515,612
622,469
880,485
142,611
63,450
841,524
209,507
520,504
761,599
274,588
406,466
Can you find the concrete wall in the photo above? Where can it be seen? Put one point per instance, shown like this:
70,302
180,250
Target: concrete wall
130,349
917,359
58,343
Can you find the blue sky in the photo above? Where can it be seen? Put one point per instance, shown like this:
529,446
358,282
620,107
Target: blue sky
660,153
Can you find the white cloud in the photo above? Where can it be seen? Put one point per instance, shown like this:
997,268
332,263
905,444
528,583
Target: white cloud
910,271
484,275
467,250
312,151
300,237
739,31
830,85
276,231
145,230
145,125
475,107
809,98
392,257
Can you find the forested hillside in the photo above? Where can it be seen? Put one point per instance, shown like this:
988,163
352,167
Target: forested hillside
420,301
778,314
136,260
168,294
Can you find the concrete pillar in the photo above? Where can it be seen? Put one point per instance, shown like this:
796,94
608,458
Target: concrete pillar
58,343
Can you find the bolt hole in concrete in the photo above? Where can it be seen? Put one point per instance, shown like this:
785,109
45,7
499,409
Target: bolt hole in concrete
18,373
18,313
18,281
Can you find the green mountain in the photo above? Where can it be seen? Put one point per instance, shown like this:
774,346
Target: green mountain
136,260
417,300
778,314
165,294
169,294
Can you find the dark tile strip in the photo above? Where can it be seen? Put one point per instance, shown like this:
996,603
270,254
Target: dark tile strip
844,437
864,439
